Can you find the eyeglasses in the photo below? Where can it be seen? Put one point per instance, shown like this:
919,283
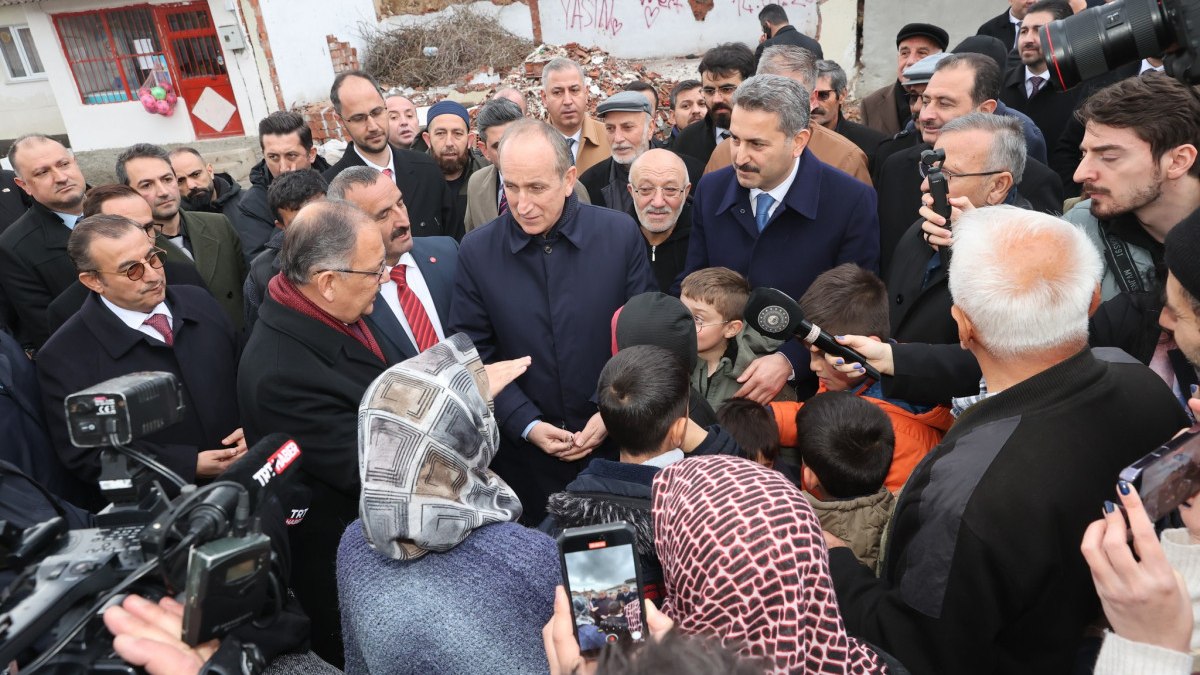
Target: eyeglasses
950,175
725,89
379,274
360,118
700,325
135,271
670,192
823,94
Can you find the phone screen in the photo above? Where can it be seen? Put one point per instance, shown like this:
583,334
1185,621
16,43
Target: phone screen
604,597
1168,476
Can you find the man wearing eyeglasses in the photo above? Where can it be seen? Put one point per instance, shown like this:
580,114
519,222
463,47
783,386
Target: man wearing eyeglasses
364,116
721,71
659,185
132,321
985,160
828,96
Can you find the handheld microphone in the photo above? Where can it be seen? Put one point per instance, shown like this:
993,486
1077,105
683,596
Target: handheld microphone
266,469
774,314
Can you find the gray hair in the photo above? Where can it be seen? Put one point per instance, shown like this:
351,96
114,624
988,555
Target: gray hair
790,61
776,94
139,151
528,126
837,76
323,236
560,63
1008,140
348,179
494,113
1023,305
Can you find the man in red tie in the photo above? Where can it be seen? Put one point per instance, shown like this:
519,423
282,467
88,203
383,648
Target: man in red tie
130,322
414,301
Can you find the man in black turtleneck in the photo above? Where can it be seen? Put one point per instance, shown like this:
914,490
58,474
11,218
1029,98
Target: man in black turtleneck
543,280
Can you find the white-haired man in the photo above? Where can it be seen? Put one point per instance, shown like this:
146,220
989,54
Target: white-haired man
983,572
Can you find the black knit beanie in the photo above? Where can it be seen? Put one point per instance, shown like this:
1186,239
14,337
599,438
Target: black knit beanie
1183,253
661,320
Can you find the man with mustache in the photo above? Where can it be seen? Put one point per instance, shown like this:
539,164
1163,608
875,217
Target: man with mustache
659,187
364,115
1139,168
34,267
200,189
779,216
721,71
413,302
565,95
830,93
206,238
133,321
451,144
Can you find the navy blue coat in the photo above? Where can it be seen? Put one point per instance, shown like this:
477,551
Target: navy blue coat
554,299
437,258
94,345
826,219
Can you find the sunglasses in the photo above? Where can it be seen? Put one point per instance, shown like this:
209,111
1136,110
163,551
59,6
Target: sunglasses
135,271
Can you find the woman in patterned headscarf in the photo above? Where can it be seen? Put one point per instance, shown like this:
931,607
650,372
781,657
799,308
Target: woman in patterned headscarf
438,576
744,560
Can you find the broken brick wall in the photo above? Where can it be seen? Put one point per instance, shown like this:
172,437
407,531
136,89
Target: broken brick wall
342,54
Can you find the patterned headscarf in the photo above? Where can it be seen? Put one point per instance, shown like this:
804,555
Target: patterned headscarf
743,559
426,435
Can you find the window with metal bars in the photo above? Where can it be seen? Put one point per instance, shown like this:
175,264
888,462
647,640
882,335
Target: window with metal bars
20,54
111,52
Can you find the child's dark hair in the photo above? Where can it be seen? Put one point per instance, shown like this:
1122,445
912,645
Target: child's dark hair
846,441
848,300
643,390
753,427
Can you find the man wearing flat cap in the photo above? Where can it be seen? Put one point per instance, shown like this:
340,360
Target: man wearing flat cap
450,140
887,108
627,121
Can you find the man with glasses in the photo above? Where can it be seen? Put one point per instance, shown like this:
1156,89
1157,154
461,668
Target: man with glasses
828,96
659,186
985,160
303,372
721,71
364,116
413,303
131,322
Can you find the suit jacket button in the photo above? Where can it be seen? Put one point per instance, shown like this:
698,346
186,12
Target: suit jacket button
547,249
899,299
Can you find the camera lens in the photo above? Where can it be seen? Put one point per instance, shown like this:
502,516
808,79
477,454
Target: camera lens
1099,39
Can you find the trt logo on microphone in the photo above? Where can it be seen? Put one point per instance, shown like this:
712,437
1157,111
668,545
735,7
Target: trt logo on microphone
277,463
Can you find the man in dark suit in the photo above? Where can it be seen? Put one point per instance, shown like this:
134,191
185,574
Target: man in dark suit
985,160
951,93
1030,87
413,303
829,94
360,107
721,71
34,267
779,216
777,31
133,322
122,200
1004,27
304,371
543,281
627,122
886,109
207,238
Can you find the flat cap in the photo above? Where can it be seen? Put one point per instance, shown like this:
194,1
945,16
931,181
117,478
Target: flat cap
624,101
939,36
921,71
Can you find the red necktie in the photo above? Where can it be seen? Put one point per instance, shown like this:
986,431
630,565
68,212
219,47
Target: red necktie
414,311
160,323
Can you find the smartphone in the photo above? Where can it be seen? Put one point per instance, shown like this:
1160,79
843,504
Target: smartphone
604,582
1168,476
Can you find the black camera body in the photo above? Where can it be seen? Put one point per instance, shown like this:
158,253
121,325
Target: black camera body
1096,40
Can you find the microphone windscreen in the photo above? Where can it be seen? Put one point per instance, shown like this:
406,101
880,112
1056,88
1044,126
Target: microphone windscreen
273,459
773,313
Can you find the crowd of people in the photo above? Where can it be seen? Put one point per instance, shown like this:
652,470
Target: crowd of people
492,328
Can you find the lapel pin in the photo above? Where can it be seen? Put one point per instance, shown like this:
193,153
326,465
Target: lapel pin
432,259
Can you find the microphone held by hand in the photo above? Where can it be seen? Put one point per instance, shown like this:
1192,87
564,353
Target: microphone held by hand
776,315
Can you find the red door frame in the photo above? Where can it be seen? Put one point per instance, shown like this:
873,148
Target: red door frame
189,89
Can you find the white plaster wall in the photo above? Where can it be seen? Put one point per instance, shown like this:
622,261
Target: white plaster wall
26,106
297,30
114,125
882,19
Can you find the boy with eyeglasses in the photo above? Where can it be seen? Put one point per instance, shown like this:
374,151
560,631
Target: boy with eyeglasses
716,297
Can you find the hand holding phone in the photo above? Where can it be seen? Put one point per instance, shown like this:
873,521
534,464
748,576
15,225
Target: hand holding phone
1168,476
603,581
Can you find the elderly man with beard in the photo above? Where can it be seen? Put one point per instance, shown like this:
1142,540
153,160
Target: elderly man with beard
413,303
627,122
451,144
659,186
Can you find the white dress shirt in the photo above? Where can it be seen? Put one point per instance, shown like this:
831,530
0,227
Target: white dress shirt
578,138
375,166
415,280
69,219
137,320
778,192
